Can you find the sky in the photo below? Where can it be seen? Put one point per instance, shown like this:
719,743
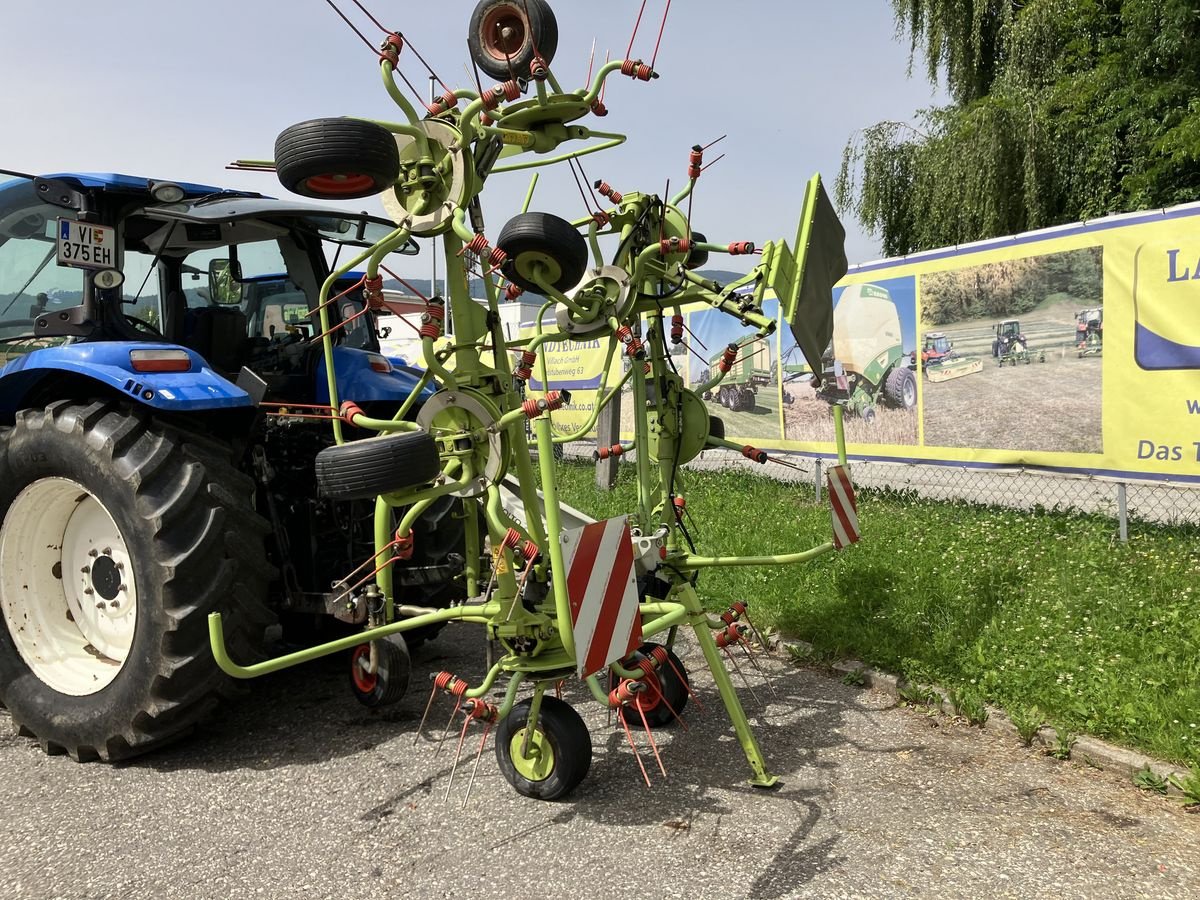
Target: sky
176,90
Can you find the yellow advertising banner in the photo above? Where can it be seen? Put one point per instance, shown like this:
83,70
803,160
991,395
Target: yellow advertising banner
1075,348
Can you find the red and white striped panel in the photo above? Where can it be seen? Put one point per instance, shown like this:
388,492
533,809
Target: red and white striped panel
844,508
602,589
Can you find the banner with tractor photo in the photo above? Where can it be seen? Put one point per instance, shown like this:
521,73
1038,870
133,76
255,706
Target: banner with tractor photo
1073,348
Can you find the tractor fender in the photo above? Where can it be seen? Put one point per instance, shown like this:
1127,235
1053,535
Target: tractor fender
109,364
357,381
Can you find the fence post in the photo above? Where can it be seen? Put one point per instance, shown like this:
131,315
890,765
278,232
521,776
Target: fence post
608,432
1122,513
817,478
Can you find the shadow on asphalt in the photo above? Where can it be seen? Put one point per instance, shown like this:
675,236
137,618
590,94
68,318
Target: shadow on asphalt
307,716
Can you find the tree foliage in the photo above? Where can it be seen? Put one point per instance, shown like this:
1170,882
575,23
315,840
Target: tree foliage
1013,287
1063,110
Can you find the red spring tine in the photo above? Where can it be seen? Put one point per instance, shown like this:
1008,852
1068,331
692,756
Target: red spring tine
487,727
453,712
457,753
425,715
650,738
742,675
758,668
632,745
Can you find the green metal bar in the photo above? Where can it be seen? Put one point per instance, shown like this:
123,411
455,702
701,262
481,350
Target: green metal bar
327,340
733,706
839,432
641,437
683,195
784,559
558,570
474,547
216,637
613,141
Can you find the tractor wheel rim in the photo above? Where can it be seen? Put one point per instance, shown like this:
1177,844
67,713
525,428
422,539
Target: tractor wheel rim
910,394
337,185
538,762
67,591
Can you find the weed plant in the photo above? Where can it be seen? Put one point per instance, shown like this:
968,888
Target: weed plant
1028,720
1027,609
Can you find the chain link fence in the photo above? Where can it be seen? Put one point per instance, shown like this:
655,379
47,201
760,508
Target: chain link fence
1132,503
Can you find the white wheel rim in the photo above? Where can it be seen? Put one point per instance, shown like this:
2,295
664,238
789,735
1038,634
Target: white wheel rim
67,591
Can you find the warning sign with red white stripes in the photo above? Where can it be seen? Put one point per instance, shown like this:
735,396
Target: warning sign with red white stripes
602,590
844,508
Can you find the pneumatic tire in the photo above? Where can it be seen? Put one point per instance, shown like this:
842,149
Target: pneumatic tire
104,649
540,242
336,159
505,35
361,470
559,750
900,387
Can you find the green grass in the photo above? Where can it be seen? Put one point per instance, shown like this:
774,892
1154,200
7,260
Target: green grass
1026,610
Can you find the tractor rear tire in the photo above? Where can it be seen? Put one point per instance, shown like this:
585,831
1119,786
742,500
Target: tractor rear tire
900,388
361,470
539,240
336,159
118,536
533,31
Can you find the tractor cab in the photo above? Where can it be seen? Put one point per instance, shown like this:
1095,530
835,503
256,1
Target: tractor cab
937,346
231,277
1008,330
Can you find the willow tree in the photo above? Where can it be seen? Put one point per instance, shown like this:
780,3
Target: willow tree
1062,110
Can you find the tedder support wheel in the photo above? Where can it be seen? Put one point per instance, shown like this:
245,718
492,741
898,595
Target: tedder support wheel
716,427
118,536
506,35
900,387
389,682
667,697
539,242
558,754
361,470
697,259
336,159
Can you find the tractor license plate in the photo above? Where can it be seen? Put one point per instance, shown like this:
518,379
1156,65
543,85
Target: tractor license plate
86,245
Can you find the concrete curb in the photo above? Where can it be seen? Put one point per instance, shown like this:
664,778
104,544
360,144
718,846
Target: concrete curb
1084,749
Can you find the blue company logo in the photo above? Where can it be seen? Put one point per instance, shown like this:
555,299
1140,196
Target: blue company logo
1166,305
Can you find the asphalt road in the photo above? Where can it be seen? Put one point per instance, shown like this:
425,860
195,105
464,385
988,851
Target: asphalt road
297,792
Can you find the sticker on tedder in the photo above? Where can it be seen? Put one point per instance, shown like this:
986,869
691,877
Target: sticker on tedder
602,588
844,508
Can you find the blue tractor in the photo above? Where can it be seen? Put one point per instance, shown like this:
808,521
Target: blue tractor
160,395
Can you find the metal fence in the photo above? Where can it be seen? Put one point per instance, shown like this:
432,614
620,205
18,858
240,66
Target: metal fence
1133,503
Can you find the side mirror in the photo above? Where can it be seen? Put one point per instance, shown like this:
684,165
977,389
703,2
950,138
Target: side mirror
225,282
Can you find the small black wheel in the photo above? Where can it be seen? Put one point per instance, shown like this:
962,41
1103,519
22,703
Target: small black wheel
868,415
667,695
389,682
506,35
336,159
361,470
697,258
541,243
559,753
716,427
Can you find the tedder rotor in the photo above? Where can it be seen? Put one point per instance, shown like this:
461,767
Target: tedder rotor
563,596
